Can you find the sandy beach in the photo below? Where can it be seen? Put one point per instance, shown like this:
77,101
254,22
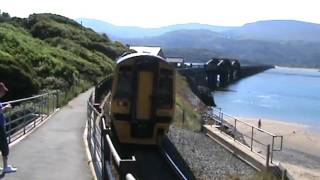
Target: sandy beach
301,147
297,68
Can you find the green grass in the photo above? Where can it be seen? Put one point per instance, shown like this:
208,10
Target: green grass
192,117
264,175
47,51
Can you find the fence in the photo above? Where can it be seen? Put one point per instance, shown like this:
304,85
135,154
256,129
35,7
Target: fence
27,113
105,159
258,140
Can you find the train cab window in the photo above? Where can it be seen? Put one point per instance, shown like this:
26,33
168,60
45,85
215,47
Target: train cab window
165,90
124,88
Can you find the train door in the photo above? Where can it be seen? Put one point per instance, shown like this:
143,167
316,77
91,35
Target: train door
146,75
144,95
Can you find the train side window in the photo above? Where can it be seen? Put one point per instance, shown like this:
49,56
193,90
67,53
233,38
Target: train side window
164,92
124,88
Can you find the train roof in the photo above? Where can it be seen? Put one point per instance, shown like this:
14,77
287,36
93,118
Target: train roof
133,55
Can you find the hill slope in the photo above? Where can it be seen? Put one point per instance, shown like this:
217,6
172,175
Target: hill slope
46,51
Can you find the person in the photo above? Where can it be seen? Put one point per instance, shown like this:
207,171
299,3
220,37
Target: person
3,138
259,123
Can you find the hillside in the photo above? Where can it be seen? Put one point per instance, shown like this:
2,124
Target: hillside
46,51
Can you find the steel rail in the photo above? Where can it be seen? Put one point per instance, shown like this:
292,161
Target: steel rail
173,165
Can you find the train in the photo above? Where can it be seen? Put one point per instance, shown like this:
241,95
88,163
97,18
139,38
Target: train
142,99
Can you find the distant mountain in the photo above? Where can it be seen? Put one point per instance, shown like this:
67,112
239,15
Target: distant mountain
201,45
278,30
280,42
180,39
138,32
272,30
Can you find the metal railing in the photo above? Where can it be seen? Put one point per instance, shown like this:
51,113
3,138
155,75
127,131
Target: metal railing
258,140
27,113
105,159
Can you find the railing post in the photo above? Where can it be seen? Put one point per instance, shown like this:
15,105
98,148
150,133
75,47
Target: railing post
57,99
94,136
36,109
251,138
235,129
42,107
89,127
103,147
65,95
48,104
222,119
281,142
24,119
268,156
183,116
271,157
107,148
53,102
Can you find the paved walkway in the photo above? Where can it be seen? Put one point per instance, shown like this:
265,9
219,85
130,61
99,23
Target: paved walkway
55,150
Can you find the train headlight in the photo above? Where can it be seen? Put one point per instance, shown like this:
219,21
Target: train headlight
122,103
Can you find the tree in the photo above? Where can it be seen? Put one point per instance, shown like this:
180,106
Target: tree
5,15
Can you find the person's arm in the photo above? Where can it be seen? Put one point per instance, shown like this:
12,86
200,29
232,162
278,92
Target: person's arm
6,108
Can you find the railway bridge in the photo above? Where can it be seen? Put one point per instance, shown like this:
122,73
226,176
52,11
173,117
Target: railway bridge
215,74
219,72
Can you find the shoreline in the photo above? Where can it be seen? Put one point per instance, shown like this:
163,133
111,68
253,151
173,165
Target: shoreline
297,68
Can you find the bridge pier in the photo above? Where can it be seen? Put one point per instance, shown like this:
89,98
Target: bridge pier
216,73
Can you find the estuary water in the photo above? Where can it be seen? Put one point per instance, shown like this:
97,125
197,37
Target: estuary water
284,94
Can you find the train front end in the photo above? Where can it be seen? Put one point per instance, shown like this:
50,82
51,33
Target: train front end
143,99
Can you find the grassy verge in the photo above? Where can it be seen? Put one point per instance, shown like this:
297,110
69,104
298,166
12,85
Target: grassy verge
66,96
188,106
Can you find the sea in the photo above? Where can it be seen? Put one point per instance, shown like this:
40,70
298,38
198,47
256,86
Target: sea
283,94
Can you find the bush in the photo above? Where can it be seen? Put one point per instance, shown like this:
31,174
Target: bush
47,51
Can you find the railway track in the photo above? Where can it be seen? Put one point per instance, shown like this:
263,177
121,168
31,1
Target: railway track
174,166
156,163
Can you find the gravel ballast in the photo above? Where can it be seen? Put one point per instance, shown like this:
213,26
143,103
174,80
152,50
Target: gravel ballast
206,158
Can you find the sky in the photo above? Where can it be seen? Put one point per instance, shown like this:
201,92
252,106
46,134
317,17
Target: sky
151,13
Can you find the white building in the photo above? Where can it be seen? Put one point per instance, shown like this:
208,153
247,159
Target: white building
175,61
148,49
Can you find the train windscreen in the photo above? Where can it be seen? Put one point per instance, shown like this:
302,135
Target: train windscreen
124,88
165,90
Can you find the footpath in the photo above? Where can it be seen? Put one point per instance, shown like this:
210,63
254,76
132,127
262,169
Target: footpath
56,149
